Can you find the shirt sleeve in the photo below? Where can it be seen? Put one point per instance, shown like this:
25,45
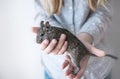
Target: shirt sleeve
40,15
98,22
98,68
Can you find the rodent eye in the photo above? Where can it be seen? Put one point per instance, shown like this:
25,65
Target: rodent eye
41,34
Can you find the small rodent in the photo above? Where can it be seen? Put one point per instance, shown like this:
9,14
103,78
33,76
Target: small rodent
76,49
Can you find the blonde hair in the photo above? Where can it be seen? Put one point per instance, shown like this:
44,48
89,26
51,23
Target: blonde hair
54,6
94,4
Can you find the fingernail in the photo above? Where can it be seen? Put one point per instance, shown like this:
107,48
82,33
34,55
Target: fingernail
43,44
63,35
66,42
54,40
45,41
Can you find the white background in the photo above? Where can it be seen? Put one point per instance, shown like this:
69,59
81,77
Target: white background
114,37
19,53
19,56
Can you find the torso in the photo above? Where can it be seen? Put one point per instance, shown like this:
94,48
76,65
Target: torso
73,14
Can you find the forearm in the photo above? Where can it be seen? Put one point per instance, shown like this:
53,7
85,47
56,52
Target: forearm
98,23
85,37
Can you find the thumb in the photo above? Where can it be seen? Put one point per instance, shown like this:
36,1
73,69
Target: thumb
35,29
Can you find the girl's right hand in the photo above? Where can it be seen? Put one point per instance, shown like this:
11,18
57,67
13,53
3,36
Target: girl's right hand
55,47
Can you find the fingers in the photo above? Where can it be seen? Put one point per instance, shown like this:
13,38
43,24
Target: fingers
35,29
70,68
54,46
71,76
63,49
57,47
70,71
66,62
51,46
44,44
61,46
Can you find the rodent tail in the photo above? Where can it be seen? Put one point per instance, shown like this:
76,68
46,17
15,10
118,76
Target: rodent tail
114,57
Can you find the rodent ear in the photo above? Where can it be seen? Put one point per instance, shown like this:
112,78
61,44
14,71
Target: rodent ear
42,24
47,25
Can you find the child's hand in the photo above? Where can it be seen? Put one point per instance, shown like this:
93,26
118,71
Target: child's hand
70,67
83,62
55,47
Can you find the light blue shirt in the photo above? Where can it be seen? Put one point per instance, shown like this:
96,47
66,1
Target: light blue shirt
77,17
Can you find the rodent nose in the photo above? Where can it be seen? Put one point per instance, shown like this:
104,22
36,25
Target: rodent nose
38,40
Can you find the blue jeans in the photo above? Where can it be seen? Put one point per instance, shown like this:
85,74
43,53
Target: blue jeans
47,76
